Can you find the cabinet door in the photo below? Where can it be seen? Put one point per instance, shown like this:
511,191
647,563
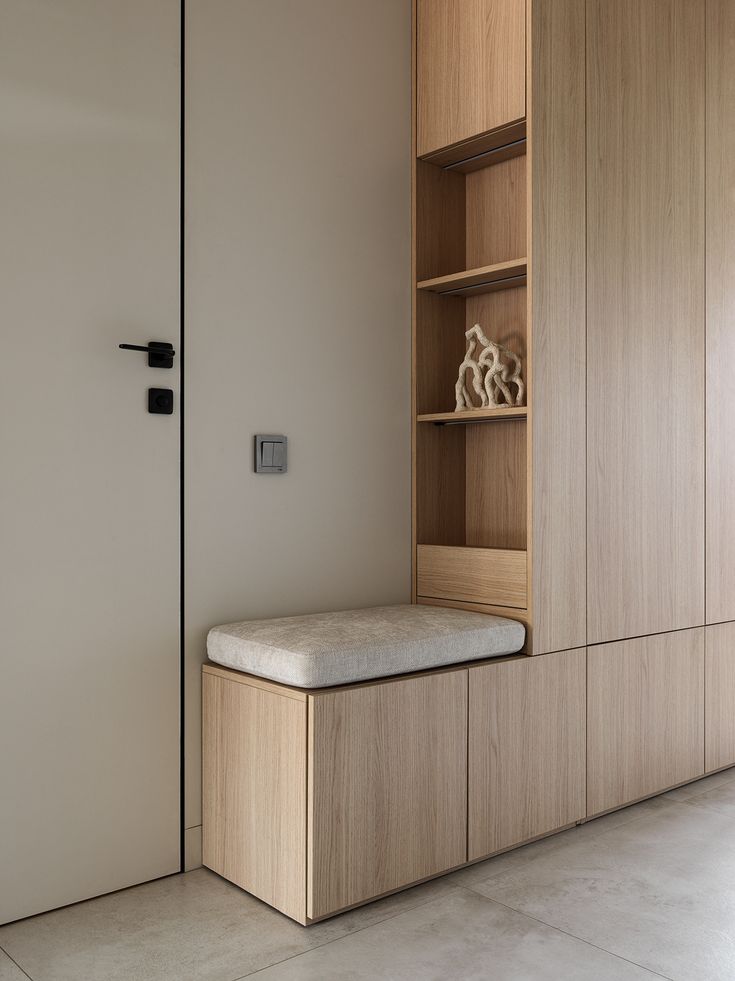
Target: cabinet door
470,68
720,310
526,749
645,717
387,787
645,317
719,688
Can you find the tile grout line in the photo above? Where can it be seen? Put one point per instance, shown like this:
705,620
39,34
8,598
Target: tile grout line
16,963
573,936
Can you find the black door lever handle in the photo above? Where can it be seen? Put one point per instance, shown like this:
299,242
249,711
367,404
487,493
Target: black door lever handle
160,353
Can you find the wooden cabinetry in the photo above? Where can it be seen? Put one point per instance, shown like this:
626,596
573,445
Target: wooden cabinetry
387,787
316,801
720,311
645,717
719,697
471,67
645,317
526,750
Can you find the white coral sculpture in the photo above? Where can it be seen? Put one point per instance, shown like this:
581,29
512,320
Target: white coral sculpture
493,374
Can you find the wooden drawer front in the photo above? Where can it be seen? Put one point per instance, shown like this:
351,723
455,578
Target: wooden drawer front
387,787
719,688
645,717
473,575
526,749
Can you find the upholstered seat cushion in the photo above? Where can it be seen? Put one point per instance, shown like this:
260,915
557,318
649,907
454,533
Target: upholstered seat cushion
326,649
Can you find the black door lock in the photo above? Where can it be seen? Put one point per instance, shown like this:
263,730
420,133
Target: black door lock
161,401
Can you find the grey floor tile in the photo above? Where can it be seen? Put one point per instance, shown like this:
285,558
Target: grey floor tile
659,891
9,971
461,936
192,927
718,798
690,790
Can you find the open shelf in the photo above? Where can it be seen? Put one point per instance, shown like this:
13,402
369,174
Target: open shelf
483,279
474,415
471,154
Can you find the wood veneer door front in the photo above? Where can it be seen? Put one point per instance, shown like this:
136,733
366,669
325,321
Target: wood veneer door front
645,717
719,694
470,68
645,317
720,310
526,749
387,787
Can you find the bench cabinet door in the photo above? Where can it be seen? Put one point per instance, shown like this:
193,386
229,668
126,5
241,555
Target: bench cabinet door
387,787
526,749
719,687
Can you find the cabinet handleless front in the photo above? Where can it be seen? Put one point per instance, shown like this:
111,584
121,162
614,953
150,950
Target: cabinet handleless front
526,749
387,787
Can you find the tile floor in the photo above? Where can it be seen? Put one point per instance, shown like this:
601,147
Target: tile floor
647,892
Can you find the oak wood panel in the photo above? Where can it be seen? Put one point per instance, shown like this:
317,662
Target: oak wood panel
469,416
254,791
440,348
496,213
387,787
470,69
526,765
558,324
720,600
478,152
645,717
440,236
492,276
440,485
719,692
645,329
480,575
495,481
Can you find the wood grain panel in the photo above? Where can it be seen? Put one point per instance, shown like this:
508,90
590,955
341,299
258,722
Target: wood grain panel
496,213
720,310
475,575
503,318
254,791
719,689
645,717
440,484
387,787
489,609
526,749
495,480
558,324
645,331
440,222
470,69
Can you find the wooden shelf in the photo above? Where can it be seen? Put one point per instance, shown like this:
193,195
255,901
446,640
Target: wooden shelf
484,279
473,415
462,155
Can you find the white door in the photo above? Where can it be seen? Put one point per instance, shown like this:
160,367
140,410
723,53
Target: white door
89,480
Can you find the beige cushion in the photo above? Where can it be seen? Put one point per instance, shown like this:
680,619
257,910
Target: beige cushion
326,649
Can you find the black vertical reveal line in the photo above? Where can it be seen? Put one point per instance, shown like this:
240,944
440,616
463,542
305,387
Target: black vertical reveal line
182,596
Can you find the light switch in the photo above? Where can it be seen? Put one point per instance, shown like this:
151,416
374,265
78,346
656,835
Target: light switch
270,454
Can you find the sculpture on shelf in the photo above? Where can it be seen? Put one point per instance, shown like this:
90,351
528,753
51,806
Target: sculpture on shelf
493,373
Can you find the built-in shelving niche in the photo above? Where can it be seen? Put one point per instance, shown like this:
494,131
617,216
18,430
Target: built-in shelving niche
471,499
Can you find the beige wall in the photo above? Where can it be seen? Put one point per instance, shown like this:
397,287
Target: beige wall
298,312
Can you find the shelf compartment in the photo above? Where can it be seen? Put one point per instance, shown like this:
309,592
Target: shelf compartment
469,416
484,279
496,577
